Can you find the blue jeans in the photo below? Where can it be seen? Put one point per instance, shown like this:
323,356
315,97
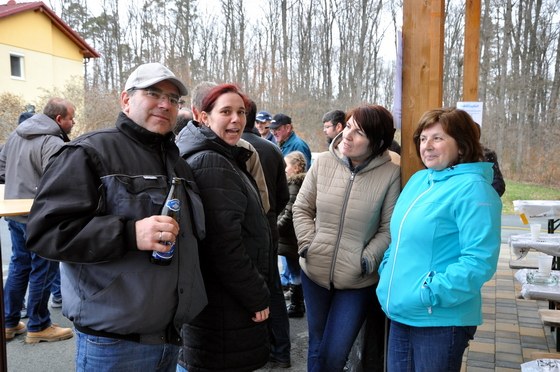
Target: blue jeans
25,269
427,349
104,354
285,274
294,270
279,322
334,318
55,288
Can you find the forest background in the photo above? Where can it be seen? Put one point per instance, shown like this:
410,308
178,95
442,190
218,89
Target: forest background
306,57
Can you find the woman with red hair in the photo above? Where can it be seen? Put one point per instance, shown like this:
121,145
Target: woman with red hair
231,332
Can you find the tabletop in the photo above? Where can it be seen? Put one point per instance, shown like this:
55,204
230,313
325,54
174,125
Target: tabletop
14,207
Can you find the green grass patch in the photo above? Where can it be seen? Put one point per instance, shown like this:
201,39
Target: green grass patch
525,191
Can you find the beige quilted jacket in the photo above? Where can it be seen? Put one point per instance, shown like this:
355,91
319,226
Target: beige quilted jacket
342,218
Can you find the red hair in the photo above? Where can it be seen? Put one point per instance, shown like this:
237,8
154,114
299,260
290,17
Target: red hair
212,96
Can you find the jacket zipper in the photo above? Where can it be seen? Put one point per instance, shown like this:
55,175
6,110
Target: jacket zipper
424,285
340,226
398,244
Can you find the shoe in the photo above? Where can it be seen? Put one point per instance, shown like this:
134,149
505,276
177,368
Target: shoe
17,330
286,290
296,309
56,302
279,363
49,334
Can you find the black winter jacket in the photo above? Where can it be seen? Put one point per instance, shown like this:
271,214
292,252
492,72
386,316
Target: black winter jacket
287,244
274,169
89,198
234,259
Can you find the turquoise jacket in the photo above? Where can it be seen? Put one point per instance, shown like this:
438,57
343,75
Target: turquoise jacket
445,242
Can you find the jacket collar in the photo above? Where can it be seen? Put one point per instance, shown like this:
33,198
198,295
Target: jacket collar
40,125
141,134
195,138
483,169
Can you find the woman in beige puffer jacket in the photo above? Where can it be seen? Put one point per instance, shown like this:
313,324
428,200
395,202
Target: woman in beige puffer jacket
341,219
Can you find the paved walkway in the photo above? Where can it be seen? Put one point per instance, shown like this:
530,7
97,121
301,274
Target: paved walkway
512,328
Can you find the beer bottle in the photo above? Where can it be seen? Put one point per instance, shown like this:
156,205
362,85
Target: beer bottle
172,208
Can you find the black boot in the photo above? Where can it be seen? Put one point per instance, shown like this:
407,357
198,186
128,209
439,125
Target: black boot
297,307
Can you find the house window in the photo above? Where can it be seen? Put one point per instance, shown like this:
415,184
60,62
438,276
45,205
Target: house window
16,64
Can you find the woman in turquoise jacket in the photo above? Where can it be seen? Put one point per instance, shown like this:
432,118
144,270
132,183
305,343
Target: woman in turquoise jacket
445,241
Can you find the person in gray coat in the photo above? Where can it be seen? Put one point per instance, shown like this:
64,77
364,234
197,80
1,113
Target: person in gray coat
22,162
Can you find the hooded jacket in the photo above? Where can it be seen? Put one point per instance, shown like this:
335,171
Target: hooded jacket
92,193
445,244
234,258
341,218
26,154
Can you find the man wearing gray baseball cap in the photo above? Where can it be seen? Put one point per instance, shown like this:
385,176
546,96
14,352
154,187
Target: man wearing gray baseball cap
98,211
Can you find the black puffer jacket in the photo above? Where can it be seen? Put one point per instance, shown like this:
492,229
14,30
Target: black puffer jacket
287,243
234,259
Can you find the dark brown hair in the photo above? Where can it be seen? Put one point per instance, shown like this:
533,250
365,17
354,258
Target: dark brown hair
377,123
459,125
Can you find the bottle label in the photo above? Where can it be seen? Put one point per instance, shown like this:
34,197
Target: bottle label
171,208
174,205
164,255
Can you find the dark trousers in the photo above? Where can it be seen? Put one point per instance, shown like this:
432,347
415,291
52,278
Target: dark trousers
279,322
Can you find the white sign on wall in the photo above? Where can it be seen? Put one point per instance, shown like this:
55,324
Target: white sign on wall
474,109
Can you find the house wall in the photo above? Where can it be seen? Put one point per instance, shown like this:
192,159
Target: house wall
50,58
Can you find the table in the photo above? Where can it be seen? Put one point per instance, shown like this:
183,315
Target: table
9,207
541,364
550,293
521,244
538,291
540,209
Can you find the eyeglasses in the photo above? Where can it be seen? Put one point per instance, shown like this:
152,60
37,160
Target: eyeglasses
277,129
158,95
325,127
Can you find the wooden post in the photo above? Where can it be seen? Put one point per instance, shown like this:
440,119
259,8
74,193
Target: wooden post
472,51
423,27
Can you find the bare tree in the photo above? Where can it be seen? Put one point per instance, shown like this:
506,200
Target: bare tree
305,57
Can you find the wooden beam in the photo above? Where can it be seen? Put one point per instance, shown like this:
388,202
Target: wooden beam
472,50
422,72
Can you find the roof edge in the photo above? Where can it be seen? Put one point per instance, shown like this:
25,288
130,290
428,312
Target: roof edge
39,7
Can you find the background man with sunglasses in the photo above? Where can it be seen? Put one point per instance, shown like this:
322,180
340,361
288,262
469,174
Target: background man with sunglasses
98,211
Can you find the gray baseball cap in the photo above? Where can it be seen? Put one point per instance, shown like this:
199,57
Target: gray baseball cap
149,74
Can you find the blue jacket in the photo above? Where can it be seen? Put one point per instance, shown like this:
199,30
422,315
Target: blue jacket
294,143
270,137
445,242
